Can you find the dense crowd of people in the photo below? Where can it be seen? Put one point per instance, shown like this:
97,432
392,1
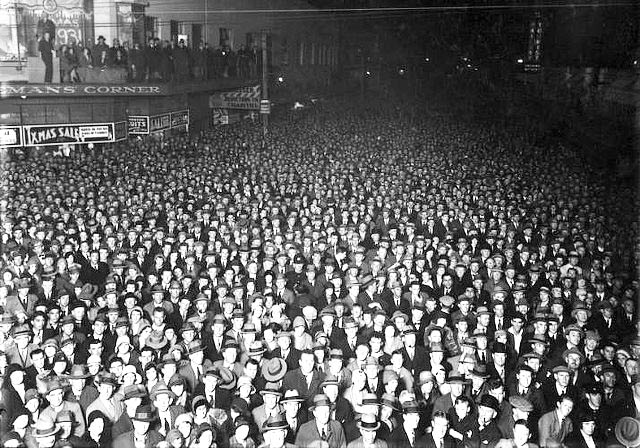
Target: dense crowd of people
353,279
159,61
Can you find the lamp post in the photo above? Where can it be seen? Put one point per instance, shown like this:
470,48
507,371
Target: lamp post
264,103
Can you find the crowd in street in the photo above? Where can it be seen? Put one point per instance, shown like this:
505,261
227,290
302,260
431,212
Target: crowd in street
355,279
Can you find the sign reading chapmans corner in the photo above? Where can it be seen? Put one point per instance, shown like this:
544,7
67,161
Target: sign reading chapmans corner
8,90
43,135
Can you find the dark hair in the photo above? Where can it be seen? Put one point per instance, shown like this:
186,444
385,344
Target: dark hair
377,334
439,414
522,422
94,415
252,361
564,397
494,384
37,351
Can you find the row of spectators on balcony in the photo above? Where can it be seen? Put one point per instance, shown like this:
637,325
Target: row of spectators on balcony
158,61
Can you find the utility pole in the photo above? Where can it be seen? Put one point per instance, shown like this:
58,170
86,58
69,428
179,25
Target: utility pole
265,106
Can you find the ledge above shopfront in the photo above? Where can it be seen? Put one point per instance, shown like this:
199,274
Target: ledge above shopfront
24,91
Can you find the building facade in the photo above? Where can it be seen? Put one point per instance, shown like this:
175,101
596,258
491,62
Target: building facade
223,42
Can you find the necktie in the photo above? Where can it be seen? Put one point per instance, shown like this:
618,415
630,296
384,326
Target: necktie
323,435
483,358
166,426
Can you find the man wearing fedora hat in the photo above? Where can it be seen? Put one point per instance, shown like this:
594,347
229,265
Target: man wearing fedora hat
20,352
294,412
484,431
193,370
54,393
107,403
132,397
45,433
559,385
321,428
274,432
368,426
229,359
286,351
408,434
21,305
341,409
162,398
271,395
80,392
216,386
142,435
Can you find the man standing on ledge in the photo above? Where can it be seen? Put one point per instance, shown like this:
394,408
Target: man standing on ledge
45,47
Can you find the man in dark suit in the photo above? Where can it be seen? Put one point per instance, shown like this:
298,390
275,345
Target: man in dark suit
415,358
286,351
607,323
523,384
395,302
485,431
445,402
321,428
96,271
439,436
341,409
162,398
294,413
142,434
406,435
305,379
556,387
214,340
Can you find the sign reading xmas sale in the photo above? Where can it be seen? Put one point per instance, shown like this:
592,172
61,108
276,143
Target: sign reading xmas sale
71,133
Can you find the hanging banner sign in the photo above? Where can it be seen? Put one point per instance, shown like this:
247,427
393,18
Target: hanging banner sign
159,122
180,118
145,125
120,131
219,117
138,125
244,98
56,134
10,136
